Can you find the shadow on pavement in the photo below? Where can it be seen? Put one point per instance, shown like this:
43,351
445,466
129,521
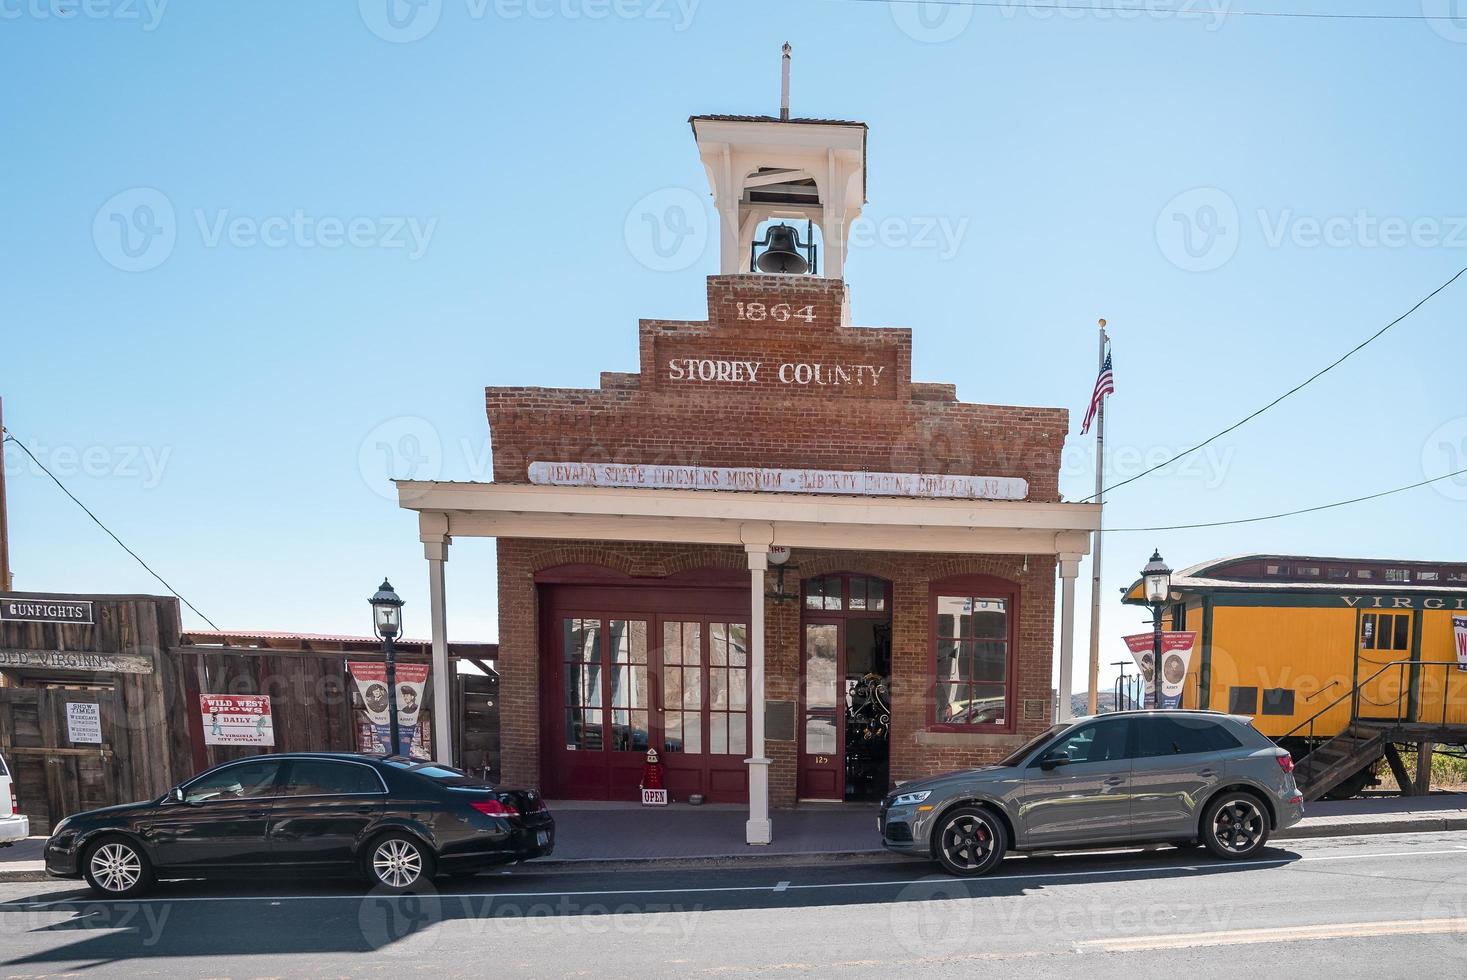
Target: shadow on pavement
243,917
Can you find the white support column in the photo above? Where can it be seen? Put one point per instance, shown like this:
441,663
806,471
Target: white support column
759,829
433,530
1069,567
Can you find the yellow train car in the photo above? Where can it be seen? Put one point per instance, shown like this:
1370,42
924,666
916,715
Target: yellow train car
1339,660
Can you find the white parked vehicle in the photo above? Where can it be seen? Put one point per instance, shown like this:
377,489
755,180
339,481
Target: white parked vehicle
14,825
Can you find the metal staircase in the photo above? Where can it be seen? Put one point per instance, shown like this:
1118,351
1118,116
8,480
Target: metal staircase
1365,740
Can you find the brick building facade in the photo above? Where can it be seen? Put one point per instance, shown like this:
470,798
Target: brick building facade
769,554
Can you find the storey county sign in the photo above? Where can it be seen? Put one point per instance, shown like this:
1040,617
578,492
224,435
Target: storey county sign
43,609
102,663
793,373
753,478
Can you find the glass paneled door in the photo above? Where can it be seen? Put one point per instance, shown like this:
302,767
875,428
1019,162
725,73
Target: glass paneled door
822,733
679,684
703,721
606,702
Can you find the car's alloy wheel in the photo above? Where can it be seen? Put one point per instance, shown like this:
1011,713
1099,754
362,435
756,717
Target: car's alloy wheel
117,868
1236,826
970,841
397,862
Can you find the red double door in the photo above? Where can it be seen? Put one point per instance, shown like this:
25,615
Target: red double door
626,669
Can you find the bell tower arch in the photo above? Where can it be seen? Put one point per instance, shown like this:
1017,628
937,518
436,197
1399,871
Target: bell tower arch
784,168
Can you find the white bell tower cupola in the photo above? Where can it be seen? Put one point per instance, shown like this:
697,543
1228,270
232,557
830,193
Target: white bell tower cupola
785,169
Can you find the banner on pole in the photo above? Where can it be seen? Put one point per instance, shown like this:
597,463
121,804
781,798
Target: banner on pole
1176,656
371,681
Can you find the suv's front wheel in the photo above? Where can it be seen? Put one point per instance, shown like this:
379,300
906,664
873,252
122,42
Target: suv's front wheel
1235,825
969,841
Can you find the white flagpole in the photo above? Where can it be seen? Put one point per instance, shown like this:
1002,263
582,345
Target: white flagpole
1095,552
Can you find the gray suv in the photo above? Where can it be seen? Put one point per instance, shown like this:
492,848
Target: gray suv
1133,777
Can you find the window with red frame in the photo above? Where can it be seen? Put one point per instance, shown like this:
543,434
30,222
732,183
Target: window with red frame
972,669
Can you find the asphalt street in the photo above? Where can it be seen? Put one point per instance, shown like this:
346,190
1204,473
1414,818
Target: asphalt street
1388,905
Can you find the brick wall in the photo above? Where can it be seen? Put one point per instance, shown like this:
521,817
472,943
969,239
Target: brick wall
885,424
775,378
911,576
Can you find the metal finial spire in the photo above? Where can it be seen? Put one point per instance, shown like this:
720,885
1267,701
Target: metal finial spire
784,84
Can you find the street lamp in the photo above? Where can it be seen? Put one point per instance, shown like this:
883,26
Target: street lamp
387,622
1157,578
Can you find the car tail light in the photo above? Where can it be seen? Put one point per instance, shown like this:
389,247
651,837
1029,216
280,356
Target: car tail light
1286,762
494,808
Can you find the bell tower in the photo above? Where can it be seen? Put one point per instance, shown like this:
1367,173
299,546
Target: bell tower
783,168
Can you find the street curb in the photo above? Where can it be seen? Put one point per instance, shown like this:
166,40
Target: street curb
1407,825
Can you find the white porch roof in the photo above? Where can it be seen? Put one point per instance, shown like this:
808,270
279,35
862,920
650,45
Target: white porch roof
512,510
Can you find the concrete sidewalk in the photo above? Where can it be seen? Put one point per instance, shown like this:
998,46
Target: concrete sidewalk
601,836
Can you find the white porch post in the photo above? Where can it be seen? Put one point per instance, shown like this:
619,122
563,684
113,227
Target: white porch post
1069,567
758,830
433,529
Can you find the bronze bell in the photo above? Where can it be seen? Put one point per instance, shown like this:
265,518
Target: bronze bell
782,251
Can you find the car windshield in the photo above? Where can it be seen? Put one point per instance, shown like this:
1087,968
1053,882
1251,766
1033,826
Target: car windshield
1021,753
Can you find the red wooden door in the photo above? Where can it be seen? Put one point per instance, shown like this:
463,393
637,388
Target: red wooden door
822,707
625,669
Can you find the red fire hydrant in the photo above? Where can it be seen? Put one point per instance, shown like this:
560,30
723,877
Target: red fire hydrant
654,793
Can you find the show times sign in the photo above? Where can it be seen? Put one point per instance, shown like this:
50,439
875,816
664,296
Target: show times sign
43,609
237,719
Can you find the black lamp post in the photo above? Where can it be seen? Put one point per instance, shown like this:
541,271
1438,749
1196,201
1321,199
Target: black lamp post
387,621
1158,582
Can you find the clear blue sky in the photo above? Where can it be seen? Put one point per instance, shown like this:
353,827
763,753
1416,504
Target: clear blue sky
220,405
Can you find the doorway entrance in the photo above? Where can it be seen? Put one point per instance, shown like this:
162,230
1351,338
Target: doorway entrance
632,668
845,735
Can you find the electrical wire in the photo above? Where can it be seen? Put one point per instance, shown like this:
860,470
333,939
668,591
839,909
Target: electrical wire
9,437
1293,513
1298,387
1157,11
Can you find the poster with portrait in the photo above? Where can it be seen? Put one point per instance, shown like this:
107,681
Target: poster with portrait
371,682
1176,657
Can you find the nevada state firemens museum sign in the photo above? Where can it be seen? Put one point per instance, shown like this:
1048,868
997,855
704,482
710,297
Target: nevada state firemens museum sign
860,483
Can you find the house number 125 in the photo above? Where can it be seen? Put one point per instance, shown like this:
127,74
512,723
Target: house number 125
779,311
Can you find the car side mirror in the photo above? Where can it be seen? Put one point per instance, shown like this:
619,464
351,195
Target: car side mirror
175,795
1054,760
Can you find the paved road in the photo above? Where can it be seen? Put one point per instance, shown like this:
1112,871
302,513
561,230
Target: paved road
1389,905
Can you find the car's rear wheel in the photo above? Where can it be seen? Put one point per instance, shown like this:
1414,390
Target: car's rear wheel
1235,825
969,841
398,862
117,868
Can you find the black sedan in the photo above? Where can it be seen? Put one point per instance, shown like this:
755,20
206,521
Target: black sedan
396,821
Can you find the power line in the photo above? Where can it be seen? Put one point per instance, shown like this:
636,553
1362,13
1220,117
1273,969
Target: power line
8,437
1293,513
1154,11
1298,387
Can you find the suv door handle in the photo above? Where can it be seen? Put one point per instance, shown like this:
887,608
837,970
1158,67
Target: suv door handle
1115,781
252,814
1209,771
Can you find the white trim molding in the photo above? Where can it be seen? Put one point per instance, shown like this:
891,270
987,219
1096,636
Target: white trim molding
903,524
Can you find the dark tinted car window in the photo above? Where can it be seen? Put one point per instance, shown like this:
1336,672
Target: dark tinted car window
325,778
238,782
1104,741
1181,736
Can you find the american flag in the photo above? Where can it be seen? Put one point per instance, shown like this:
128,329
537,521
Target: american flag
1104,385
